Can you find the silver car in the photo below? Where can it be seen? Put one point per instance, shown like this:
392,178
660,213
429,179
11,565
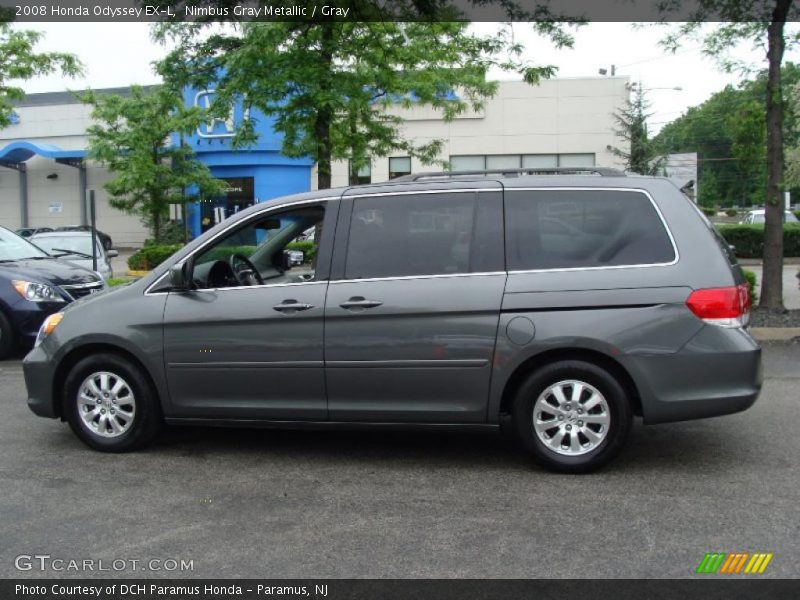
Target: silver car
76,247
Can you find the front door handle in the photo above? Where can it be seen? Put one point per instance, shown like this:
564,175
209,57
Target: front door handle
292,306
360,303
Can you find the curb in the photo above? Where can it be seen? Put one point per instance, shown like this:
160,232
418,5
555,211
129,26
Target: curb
775,334
132,273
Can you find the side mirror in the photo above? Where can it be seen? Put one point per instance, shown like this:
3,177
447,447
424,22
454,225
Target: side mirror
180,277
113,254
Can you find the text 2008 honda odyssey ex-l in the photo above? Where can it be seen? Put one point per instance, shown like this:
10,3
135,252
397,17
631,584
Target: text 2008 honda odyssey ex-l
559,305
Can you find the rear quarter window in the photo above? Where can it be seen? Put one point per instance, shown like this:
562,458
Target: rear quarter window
561,229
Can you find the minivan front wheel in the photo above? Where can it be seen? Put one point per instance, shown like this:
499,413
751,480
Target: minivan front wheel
110,404
572,416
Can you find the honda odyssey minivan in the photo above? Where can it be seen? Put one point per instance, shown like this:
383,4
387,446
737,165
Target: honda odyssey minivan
553,305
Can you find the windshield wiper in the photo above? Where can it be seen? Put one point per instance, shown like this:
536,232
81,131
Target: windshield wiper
69,252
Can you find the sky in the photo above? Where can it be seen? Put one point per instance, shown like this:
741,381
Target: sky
120,54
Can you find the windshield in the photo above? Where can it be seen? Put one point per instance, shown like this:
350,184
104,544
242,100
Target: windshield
55,244
13,247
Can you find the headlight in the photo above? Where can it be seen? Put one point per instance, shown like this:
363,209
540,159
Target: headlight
47,327
37,292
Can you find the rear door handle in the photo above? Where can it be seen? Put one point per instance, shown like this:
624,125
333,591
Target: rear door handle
360,303
291,306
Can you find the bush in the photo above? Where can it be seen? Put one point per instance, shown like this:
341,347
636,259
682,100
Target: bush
748,240
150,257
797,214
731,212
752,282
707,211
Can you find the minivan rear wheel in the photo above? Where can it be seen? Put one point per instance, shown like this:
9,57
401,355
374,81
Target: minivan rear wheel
572,416
110,404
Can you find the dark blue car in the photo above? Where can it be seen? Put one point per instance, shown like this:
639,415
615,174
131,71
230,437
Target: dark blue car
34,285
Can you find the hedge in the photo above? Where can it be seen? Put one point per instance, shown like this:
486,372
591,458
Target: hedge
707,211
150,257
752,284
748,240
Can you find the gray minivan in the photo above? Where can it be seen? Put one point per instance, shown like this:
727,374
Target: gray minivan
555,305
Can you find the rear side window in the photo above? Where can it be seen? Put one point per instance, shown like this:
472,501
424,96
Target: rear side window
426,234
561,229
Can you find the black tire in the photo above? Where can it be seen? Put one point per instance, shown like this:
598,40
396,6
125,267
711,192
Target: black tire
7,338
147,418
617,401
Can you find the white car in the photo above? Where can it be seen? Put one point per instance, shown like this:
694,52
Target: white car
756,217
76,247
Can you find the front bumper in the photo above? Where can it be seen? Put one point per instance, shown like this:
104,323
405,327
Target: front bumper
717,373
39,371
27,317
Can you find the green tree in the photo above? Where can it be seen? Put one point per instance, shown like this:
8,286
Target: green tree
761,23
332,86
133,136
747,127
641,155
19,61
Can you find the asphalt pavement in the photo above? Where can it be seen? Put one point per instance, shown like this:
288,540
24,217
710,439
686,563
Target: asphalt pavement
259,503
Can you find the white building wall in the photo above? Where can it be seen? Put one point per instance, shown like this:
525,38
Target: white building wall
62,125
558,116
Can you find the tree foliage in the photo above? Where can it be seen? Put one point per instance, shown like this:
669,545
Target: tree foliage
728,132
641,155
333,88
20,61
760,23
134,137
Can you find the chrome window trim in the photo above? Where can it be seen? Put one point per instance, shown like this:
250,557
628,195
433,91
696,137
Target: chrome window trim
416,192
255,215
407,277
610,189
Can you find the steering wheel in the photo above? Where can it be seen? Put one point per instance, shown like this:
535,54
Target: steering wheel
245,271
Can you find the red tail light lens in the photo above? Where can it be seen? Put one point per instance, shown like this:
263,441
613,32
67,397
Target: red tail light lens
726,307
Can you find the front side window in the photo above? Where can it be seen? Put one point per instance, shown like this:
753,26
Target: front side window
558,229
278,248
430,234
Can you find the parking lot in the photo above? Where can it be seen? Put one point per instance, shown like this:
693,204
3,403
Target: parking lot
244,503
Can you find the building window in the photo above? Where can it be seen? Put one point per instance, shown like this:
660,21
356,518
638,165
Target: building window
361,177
481,162
467,163
399,166
576,160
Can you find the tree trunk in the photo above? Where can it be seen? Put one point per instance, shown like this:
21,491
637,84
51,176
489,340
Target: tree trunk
772,278
322,124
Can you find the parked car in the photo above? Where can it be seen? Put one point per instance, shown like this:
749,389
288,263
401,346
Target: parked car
757,217
33,285
76,247
295,257
434,302
27,232
104,237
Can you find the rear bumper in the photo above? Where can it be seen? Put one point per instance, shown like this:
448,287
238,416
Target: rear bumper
39,371
717,373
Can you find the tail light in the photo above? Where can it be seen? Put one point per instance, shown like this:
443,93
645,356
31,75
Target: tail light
725,307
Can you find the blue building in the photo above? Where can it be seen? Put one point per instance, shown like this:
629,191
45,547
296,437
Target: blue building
254,174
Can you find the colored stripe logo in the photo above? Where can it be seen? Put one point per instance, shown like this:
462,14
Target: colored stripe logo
734,563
